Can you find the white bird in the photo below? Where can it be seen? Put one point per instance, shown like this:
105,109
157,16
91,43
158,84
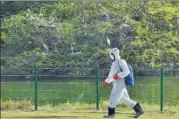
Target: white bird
107,16
72,50
43,53
78,53
124,25
83,20
85,25
78,15
45,46
99,4
108,40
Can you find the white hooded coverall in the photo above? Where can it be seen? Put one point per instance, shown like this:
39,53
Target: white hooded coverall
119,91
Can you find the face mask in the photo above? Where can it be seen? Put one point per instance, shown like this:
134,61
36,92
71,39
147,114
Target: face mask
112,56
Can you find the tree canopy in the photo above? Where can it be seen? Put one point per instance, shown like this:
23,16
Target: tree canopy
73,34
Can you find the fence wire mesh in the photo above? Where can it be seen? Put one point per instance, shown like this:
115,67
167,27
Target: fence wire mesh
61,85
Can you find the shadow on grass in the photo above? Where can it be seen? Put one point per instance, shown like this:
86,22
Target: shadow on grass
130,113
43,117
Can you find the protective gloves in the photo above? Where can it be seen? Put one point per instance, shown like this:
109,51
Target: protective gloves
105,84
116,77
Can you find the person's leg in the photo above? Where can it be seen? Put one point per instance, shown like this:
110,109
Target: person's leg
132,104
115,97
126,99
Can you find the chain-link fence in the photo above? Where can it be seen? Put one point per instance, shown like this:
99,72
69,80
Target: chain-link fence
61,85
171,87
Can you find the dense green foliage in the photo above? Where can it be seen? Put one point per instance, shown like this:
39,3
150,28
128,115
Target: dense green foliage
147,33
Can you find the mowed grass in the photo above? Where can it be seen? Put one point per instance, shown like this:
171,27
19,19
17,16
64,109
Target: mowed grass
88,111
84,115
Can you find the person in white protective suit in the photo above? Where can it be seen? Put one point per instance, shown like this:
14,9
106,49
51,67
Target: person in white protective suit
119,91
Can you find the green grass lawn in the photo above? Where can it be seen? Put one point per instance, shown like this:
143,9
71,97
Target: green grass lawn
84,115
86,111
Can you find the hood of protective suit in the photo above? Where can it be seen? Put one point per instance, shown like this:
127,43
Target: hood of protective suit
114,54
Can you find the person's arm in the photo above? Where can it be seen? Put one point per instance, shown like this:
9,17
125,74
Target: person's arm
110,75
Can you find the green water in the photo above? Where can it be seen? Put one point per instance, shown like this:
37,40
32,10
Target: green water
73,90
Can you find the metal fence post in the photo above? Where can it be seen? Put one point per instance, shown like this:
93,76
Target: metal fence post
97,87
161,89
35,86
